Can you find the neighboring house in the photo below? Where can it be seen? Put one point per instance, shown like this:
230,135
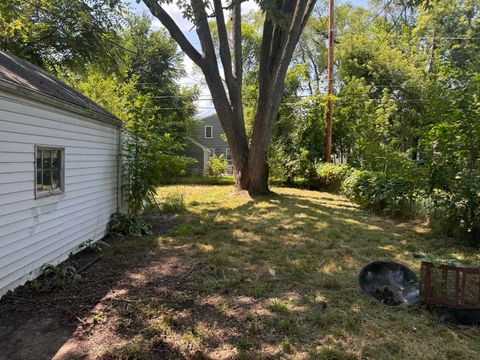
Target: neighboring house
207,139
59,173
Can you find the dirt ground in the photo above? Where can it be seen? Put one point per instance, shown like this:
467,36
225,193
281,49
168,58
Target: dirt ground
79,322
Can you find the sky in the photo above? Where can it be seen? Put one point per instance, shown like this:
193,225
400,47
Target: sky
193,77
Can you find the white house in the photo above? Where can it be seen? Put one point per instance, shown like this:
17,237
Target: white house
59,173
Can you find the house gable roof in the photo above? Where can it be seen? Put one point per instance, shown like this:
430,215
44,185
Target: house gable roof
22,77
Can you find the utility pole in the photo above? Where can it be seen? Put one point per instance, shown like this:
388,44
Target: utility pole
328,134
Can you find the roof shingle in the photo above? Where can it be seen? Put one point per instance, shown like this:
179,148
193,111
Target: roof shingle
27,75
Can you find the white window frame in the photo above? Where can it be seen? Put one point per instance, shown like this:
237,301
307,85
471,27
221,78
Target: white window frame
227,150
61,189
211,132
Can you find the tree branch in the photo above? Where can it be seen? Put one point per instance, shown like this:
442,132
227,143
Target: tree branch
174,31
204,34
267,38
301,14
225,55
237,39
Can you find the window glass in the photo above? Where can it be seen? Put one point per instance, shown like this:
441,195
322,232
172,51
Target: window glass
208,132
49,177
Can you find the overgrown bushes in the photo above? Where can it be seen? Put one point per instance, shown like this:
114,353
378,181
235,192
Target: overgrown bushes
405,194
328,177
378,192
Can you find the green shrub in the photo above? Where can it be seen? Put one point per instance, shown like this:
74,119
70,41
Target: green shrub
217,165
377,192
451,214
443,213
329,177
121,224
150,160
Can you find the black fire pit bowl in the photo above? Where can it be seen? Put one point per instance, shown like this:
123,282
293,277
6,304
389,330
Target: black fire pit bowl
389,283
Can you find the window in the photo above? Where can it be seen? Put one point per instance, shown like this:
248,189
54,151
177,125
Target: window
208,132
228,155
212,151
49,168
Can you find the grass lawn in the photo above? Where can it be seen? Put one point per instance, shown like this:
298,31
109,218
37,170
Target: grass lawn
206,180
314,244
266,278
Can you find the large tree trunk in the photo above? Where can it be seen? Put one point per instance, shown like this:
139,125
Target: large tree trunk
278,43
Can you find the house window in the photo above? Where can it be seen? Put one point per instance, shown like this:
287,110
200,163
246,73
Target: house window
228,155
208,132
49,170
212,151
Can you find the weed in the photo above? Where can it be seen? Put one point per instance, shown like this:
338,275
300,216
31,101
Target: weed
171,320
191,337
287,345
223,306
244,344
173,204
99,317
157,328
279,307
94,246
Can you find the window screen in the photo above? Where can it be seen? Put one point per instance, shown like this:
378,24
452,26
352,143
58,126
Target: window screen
49,177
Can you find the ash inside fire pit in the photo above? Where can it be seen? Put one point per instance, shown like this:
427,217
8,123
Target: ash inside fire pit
386,296
389,283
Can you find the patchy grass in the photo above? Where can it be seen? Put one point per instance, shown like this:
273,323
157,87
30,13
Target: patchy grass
270,277
311,306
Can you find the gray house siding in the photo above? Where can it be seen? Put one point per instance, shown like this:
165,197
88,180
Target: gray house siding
196,152
215,144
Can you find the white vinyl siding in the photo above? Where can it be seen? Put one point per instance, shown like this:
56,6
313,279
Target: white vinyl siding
34,232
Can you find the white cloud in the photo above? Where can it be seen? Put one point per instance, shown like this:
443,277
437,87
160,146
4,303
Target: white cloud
177,15
185,25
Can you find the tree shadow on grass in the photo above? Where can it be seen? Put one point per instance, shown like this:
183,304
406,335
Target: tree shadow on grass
267,278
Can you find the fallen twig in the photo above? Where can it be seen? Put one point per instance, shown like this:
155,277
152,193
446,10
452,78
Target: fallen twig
73,314
13,297
124,300
88,265
78,297
184,276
